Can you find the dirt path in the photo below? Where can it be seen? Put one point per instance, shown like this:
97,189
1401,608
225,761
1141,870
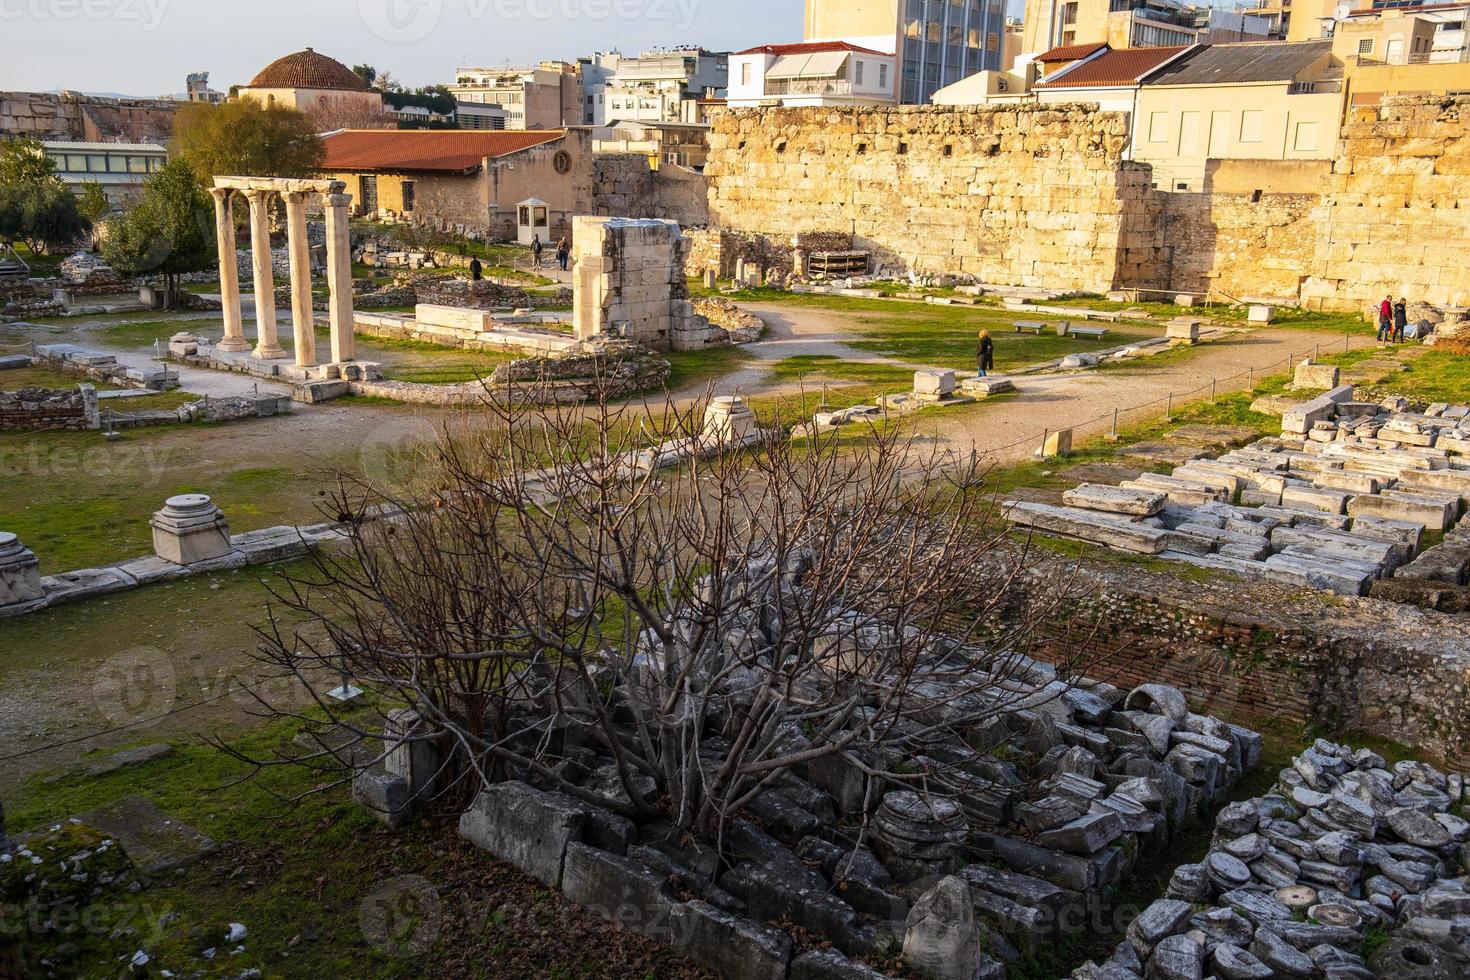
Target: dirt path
1084,401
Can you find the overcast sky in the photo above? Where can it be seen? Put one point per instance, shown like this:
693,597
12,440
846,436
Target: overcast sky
146,47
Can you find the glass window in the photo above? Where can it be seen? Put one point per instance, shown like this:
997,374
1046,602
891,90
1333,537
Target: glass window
408,195
97,163
137,165
857,72
76,162
1365,46
883,77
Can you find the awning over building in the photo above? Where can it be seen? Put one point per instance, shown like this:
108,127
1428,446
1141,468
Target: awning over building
821,64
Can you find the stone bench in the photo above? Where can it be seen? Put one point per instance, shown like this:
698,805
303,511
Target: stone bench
1034,326
1096,333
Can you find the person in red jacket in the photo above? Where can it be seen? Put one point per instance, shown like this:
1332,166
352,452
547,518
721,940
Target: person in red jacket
1385,319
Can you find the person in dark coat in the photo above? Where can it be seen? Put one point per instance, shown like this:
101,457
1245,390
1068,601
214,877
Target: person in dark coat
536,249
986,354
563,252
1400,319
1385,319
477,271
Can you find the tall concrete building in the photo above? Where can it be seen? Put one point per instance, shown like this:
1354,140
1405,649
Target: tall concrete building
1134,24
936,42
548,96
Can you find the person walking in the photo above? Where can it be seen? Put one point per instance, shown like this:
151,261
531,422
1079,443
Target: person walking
563,252
986,354
1385,319
536,249
1400,319
477,271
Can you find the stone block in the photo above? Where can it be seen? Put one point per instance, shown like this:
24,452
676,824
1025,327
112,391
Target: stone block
1318,377
190,529
1057,443
1313,498
987,386
933,382
1183,331
1434,513
1260,313
1116,500
526,827
732,947
383,793
11,362
619,890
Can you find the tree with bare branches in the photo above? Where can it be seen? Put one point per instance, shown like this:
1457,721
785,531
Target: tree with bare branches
669,644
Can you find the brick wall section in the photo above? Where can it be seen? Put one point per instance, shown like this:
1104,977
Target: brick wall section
49,409
1396,208
1032,195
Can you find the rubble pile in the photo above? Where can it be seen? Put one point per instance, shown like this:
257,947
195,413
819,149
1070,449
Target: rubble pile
1348,869
1341,501
1023,830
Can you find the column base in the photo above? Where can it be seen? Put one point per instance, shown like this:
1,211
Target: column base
233,345
270,354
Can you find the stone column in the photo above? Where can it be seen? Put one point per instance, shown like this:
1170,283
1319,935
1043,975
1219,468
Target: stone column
229,271
299,246
190,529
267,342
339,277
20,576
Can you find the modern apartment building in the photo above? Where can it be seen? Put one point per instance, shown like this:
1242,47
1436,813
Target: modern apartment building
548,96
936,42
656,86
1122,24
816,73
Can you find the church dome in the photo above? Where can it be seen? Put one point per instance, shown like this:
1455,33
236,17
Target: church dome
307,69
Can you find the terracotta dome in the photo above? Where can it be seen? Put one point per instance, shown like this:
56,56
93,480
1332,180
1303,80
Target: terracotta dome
307,69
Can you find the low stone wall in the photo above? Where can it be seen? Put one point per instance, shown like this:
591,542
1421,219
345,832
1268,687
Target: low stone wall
49,409
722,250
482,295
1256,650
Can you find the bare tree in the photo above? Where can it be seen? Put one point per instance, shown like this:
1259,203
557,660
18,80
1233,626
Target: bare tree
670,643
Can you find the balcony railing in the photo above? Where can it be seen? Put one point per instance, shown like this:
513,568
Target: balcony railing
808,86
1442,57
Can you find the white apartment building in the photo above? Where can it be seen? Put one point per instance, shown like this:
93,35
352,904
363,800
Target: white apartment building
548,96
656,86
818,73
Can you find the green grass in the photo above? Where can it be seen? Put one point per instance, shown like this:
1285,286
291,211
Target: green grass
134,334
42,377
697,367
827,367
1434,375
79,501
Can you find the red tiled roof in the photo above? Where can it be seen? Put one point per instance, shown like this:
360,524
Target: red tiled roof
436,151
1070,52
811,47
308,69
1124,67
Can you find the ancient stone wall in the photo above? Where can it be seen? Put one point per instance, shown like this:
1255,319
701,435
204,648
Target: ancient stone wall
1240,245
1029,195
624,186
1256,651
69,116
1395,216
48,409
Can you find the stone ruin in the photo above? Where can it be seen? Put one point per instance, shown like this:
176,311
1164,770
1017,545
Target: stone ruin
629,283
1344,849
1341,501
1033,821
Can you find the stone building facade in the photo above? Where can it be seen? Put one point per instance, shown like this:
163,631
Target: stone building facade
1025,196
72,116
1395,213
1030,195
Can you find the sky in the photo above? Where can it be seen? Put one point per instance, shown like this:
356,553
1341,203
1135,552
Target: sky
146,47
